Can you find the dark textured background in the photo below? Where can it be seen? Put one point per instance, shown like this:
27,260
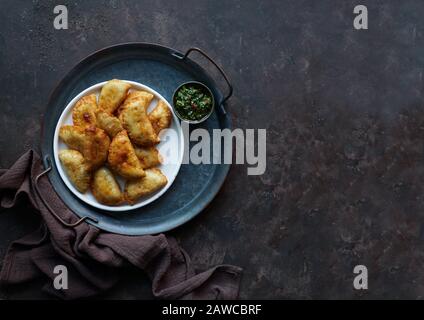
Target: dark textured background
343,109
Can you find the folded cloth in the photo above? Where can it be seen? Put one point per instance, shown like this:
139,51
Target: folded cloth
94,258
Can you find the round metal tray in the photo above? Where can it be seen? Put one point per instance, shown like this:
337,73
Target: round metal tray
162,69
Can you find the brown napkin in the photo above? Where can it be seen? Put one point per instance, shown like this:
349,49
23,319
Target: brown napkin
95,258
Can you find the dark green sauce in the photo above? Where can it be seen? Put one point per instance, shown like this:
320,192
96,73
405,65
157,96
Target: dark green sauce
193,102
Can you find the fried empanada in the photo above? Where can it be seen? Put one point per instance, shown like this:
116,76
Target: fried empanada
108,123
144,97
92,142
160,117
105,188
112,94
122,158
153,181
76,168
149,157
134,119
84,112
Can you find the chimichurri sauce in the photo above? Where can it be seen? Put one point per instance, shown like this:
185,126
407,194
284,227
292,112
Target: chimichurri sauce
193,102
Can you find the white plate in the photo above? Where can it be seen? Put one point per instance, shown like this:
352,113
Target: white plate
171,149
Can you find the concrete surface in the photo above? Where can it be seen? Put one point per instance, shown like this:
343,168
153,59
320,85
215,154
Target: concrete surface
343,109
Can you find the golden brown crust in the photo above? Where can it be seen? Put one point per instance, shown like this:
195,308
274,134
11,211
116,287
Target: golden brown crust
83,114
149,157
92,142
76,168
122,158
108,123
160,117
112,94
105,188
152,182
134,119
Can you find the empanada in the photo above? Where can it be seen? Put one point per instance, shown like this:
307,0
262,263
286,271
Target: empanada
153,181
108,123
144,97
92,142
134,119
160,117
76,168
112,94
122,158
149,157
105,188
84,112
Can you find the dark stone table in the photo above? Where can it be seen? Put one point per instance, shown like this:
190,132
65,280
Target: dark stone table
344,113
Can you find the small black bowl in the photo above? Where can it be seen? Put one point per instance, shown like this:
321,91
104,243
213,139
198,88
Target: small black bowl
198,85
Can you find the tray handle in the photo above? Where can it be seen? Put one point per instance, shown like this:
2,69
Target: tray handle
230,87
47,164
